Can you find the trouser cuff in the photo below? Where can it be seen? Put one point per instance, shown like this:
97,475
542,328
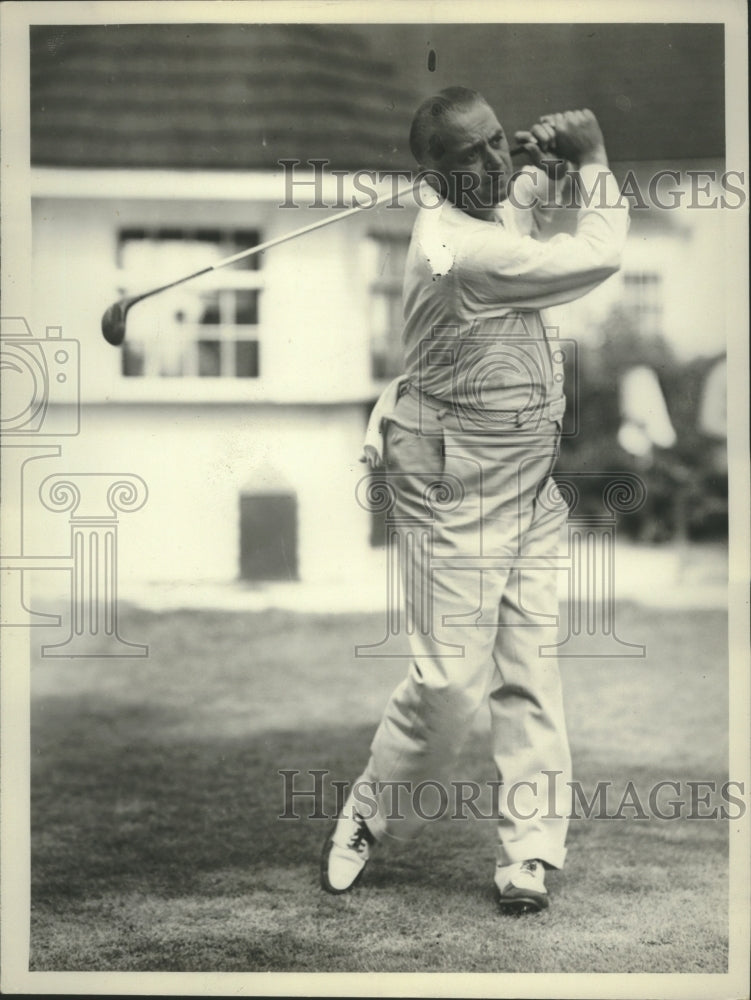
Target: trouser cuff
552,855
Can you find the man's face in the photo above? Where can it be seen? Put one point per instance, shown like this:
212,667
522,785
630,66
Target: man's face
470,150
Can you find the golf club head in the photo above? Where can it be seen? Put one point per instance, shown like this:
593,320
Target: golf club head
114,318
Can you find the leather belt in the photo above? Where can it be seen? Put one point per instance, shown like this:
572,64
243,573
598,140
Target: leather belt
552,409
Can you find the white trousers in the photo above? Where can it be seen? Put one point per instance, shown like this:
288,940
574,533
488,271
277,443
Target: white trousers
476,491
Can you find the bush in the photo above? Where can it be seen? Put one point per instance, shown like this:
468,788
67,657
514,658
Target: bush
686,484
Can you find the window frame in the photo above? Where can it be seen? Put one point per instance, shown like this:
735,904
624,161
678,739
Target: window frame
391,289
644,298
222,282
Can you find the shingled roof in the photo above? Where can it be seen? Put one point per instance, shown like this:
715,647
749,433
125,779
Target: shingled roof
243,96
214,95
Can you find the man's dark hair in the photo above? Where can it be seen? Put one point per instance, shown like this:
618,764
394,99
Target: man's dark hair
423,137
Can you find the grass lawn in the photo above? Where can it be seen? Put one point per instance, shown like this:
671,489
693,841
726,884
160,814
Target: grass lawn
156,842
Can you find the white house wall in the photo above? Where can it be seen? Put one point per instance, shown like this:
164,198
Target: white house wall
196,462
199,443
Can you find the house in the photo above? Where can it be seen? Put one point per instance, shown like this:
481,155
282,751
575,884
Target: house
241,398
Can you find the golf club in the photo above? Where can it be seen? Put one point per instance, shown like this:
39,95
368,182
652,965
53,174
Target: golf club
115,316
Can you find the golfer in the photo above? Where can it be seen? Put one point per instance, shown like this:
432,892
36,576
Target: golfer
469,436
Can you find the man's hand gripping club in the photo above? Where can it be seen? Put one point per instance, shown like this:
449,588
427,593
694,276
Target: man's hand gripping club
568,137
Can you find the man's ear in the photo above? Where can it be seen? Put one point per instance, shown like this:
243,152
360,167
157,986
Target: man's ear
436,149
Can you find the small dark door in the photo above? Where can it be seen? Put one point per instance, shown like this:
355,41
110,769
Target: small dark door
268,536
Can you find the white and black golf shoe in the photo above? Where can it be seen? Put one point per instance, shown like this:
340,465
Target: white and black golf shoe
521,887
346,851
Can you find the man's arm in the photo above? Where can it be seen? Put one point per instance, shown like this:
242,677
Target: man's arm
494,267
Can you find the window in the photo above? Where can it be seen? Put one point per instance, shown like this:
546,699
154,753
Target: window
643,299
206,329
386,254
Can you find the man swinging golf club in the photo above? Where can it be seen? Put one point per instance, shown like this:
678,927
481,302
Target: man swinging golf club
469,438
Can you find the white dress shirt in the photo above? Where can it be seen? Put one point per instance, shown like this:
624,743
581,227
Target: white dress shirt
474,290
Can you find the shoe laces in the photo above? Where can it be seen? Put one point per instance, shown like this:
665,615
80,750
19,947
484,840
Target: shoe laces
362,836
530,867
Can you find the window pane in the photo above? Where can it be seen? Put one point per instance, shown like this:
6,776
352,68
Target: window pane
209,308
209,358
385,256
209,236
643,298
396,319
188,331
243,239
379,367
169,234
246,307
247,359
386,329
393,264
132,358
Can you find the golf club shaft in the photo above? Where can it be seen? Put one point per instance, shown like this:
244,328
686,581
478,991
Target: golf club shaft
276,241
292,235
115,317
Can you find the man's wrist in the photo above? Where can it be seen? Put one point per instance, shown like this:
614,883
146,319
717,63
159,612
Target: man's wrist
555,169
597,157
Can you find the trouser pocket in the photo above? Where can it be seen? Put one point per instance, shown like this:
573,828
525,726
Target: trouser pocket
414,464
